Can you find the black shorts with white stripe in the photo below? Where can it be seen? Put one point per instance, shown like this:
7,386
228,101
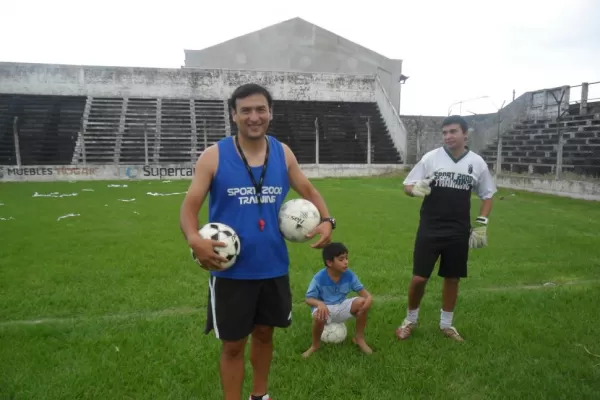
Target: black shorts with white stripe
236,306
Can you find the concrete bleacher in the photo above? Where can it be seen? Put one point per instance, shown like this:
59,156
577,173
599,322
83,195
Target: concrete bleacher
174,143
342,127
7,145
153,130
531,146
118,130
211,123
47,128
139,133
102,125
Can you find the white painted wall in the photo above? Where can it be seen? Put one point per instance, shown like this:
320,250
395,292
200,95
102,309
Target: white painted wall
585,190
74,80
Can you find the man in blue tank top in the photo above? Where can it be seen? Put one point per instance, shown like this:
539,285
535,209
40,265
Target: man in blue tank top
253,296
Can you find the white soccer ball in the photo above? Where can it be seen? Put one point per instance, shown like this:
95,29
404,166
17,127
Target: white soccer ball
334,333
298,217
221,233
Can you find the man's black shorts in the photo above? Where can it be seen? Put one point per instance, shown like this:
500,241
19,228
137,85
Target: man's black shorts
235,306
453,251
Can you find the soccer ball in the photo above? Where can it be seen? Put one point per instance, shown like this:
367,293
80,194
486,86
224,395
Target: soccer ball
334,333
221,233
298,217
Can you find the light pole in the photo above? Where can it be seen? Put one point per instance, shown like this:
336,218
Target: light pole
464,101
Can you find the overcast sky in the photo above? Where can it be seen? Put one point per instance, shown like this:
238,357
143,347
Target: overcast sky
452,50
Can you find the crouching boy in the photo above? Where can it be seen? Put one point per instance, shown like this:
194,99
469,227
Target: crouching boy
327,296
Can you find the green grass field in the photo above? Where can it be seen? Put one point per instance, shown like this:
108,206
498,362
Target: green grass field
109,305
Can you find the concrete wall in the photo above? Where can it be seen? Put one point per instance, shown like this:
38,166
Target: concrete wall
298,46
54,79
55,173
424,134
564,188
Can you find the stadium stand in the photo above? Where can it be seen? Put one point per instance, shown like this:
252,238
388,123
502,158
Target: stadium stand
531,146
342,127
102,122
171,131
139,132
47,128
211,123
154,130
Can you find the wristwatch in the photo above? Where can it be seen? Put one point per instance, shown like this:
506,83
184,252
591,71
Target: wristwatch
330,220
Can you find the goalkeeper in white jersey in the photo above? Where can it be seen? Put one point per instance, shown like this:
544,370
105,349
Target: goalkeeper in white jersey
444,179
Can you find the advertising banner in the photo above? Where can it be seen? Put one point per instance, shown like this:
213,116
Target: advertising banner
91,172
56,173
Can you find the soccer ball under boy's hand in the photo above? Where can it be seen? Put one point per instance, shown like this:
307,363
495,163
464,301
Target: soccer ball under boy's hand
334,333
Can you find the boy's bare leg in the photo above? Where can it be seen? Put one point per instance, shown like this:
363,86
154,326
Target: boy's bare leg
317,330
361,323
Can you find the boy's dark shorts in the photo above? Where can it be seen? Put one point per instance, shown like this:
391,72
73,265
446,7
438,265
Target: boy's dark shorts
237,305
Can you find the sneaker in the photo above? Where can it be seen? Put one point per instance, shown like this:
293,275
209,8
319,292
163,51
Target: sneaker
404,330
265,397
452,333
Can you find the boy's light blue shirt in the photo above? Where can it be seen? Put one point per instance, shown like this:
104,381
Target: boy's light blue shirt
323,288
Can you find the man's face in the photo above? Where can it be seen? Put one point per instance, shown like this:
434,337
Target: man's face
252,116
454,137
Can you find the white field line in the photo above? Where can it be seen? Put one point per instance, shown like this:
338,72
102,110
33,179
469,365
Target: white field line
202,310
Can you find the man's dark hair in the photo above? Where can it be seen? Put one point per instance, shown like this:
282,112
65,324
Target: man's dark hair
456,119
333,250
246,90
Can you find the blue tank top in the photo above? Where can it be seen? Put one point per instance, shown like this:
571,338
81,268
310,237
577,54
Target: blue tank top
232,201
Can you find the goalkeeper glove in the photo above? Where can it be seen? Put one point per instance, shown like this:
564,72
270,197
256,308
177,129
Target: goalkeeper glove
478,238
422,188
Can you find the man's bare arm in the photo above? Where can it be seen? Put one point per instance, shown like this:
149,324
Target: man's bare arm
197,192
300,183
486,207
408,190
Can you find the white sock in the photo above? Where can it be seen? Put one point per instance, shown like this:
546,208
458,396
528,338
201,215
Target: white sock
446,319
413,315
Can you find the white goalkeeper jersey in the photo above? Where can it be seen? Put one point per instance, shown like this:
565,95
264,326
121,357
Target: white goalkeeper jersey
446,212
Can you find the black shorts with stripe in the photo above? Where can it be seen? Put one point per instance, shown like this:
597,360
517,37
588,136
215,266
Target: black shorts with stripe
453,253
236,306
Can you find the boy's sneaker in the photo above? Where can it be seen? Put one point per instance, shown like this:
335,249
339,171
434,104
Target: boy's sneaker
452,333
265,397
404,330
